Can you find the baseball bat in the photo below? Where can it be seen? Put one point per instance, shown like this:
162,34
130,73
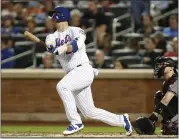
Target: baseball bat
33,38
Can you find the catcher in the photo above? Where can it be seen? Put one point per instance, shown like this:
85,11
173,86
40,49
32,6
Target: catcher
166,101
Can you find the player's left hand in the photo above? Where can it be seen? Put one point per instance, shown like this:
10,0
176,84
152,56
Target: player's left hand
60,50
51,49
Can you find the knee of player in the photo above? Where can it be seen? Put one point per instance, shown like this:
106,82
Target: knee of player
90,113
60,87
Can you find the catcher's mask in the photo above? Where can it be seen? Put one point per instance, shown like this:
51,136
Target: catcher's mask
161,63
143,126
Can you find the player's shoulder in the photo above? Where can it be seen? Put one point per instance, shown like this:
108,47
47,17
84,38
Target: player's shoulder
75,28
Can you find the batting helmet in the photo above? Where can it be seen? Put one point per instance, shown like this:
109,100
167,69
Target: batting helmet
60,14
161,63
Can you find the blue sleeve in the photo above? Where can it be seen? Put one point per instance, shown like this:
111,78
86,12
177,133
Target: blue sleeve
74,46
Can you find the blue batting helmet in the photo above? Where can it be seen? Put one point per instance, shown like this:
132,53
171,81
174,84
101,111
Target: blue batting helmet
60,14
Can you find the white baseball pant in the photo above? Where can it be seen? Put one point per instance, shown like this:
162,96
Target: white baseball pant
75,91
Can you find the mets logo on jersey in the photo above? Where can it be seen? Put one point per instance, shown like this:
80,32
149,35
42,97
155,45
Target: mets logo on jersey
60,42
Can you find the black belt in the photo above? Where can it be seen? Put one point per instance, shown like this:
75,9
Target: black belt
79,65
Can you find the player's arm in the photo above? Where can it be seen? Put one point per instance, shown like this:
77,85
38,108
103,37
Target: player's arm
78,43
164,102
167,98
51,46
74,46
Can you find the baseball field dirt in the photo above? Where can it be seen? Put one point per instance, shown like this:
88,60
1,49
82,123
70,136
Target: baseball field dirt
84,135
24,131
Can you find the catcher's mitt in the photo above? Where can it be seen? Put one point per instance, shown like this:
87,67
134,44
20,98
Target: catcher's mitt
143,126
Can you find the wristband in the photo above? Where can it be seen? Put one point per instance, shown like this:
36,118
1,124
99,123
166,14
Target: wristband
74,46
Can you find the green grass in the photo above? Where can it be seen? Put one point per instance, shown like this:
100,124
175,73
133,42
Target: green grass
59,129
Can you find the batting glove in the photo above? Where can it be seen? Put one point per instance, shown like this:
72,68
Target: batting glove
50,43
51,49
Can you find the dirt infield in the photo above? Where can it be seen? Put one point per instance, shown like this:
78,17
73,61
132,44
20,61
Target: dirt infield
83,135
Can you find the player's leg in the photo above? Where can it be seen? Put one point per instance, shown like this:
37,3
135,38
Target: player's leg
76,80
85,104
69,102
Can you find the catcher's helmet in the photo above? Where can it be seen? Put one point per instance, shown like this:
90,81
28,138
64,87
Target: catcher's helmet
60,14
161,63
143,126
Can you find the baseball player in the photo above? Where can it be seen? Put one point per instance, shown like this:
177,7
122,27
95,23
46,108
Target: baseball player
68,43
166,101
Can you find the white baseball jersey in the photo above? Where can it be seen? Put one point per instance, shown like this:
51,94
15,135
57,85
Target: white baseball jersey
70,61
75,87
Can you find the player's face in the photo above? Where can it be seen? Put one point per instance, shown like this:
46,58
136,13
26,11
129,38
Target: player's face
60,24
168,70
57,24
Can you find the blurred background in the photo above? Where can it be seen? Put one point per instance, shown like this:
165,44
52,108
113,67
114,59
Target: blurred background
120,34
123,37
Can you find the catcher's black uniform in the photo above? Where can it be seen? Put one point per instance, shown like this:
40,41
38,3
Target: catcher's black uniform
172,108
169,113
